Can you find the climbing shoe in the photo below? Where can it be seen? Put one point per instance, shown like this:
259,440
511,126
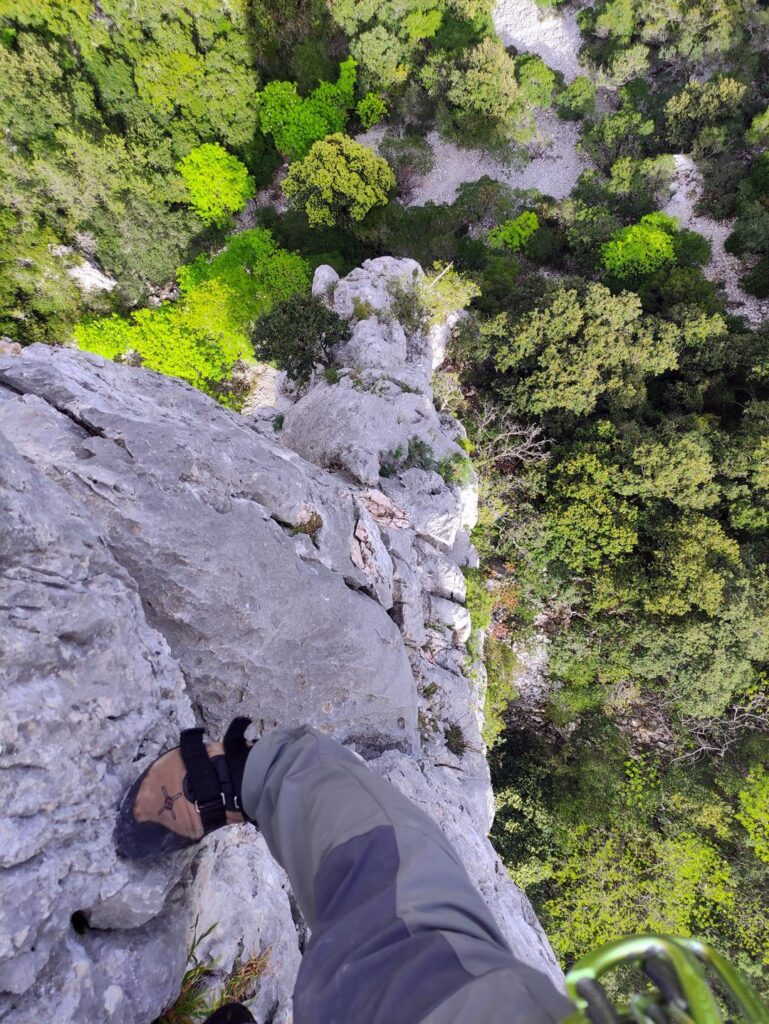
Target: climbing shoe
185,793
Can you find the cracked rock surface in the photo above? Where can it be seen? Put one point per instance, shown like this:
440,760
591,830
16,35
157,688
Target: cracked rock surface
164,560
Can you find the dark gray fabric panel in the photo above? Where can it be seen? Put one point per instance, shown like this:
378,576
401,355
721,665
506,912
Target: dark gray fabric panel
363,963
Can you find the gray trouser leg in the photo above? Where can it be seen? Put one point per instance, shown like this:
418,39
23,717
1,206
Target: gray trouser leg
399,933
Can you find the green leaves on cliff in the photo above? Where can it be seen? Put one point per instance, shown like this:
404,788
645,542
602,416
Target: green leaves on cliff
200,336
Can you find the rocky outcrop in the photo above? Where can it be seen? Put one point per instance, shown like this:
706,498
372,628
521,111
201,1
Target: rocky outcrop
165,560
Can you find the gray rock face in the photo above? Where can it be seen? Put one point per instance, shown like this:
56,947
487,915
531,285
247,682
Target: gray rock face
203,512
90,690
166,560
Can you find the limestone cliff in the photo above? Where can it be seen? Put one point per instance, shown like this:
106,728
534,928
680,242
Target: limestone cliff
163,560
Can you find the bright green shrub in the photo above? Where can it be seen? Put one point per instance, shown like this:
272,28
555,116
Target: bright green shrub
295,123
371,110
107,336
536,79
339,179
479,599
217,182
515,233
758,133
615,883
502,670
577,100
421,24
443,291
638,251
753,814
254,269
201,336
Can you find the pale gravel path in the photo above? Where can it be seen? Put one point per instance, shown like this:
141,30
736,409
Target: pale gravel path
723,267
555,173
555,37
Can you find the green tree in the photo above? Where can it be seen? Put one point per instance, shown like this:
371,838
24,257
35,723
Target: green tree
297,334
421,24
577,100
295,123
383,58
39,301
371,110
536,79
640,250
487,102
758,133
515,233
753,814
587,522
339,179
700,107
202,335
628,132
217,182
576,350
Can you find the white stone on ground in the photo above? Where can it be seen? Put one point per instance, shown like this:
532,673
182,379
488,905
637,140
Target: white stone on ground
723,266
555,37
91,279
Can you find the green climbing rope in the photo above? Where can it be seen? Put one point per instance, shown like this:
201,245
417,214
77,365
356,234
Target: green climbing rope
685,975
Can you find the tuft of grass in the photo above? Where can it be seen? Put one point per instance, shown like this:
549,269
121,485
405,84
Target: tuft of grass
197,1000
190,1006
455,739
277,423
242,983
361,309
420,455
390,463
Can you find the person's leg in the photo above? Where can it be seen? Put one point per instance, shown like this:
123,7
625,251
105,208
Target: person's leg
399,933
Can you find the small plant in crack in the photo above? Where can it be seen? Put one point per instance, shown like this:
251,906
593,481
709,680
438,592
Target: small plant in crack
390,462
361,308
197,1000
455,739
310,526
277,423
420,455
456,469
